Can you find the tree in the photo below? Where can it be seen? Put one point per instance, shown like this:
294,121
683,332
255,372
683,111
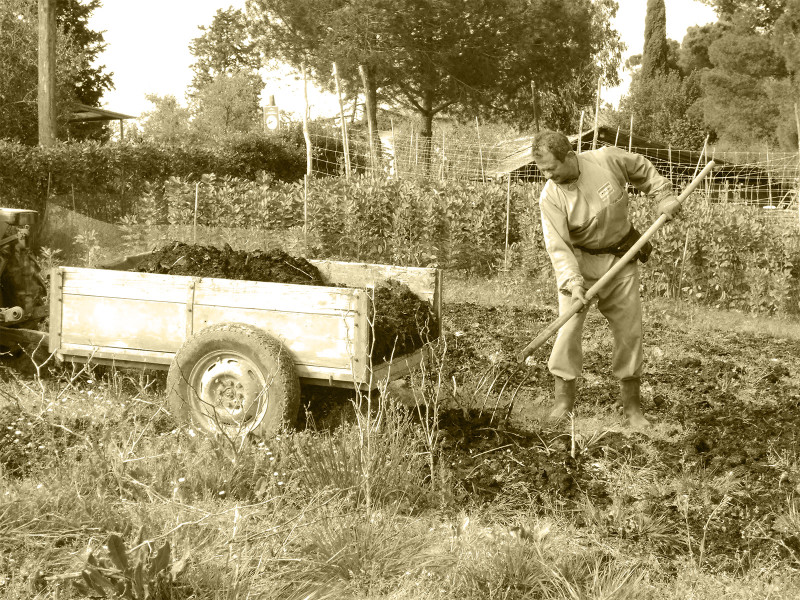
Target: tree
223,49
226,105
740,100
226,85
167,123
665,109
655,53
693,55
76,79
434,55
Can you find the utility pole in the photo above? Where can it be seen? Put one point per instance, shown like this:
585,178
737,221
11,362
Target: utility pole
47,72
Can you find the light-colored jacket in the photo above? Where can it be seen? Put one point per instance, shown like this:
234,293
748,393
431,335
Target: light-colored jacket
592,212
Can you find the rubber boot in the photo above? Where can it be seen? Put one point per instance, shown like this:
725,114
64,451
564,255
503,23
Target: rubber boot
565,398
631,403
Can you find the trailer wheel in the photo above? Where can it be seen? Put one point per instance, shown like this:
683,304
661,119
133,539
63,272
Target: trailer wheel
234,379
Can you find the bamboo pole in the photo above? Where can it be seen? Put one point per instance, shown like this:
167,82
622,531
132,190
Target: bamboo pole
345,140
306,112
580,135
597,113
305,210
508,221
394,151
630,135
194,224
578,306
480,150
616,139
669,157
769,180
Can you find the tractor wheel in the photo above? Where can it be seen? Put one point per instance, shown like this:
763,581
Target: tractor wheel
235,379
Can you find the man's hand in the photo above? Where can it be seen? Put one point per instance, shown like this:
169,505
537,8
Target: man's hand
579,293
669,206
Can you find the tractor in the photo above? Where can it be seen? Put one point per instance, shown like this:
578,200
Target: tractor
23,292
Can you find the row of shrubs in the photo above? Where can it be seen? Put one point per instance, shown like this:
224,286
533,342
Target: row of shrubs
105,181
718,254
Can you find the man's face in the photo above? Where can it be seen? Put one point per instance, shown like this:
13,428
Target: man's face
556,170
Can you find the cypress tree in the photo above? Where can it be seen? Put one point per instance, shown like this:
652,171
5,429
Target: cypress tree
656,49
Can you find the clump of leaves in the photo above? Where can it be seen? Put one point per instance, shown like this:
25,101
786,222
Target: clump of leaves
141,574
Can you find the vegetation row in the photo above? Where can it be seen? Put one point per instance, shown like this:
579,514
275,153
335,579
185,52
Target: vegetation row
722,255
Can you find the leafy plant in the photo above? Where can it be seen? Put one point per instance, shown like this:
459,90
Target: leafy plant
141,574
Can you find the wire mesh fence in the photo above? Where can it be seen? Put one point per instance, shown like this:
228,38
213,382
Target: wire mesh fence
765,179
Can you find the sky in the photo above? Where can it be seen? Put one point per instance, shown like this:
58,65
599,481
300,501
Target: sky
148,49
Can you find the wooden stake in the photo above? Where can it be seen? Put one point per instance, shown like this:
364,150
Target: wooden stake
306,112
580,135
616,139
597,113
345,140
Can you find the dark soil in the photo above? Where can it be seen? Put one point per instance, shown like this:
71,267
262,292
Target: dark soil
724,406
209,261
730,403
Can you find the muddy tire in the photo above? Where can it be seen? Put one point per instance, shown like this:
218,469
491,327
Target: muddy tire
235,379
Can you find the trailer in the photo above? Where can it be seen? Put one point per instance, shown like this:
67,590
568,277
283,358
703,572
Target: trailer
236,351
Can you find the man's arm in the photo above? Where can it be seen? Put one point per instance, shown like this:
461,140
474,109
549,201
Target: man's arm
559,247
641,173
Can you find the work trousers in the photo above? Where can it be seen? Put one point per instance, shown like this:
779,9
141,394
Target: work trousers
621,305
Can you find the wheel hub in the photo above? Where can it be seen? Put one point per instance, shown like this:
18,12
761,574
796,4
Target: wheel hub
230,390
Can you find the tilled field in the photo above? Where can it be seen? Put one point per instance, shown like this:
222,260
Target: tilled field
715,475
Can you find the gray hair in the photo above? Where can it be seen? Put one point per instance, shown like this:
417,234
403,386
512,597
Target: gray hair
551,141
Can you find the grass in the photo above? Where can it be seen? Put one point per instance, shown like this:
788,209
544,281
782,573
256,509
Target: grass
367,509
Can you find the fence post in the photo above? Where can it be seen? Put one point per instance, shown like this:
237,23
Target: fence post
580,135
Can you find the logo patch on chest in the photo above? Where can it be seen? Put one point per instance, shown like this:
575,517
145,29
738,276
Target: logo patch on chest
605,191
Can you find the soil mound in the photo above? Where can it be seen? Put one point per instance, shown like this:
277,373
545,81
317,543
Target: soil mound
209,261
402,321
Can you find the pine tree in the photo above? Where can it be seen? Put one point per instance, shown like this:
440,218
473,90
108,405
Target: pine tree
655,55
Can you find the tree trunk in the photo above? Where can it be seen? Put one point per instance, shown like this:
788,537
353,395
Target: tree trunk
426,132
371,111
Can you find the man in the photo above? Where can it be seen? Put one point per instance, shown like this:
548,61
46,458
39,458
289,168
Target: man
584,206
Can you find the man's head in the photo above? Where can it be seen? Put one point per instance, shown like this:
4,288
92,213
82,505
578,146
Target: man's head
555,157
